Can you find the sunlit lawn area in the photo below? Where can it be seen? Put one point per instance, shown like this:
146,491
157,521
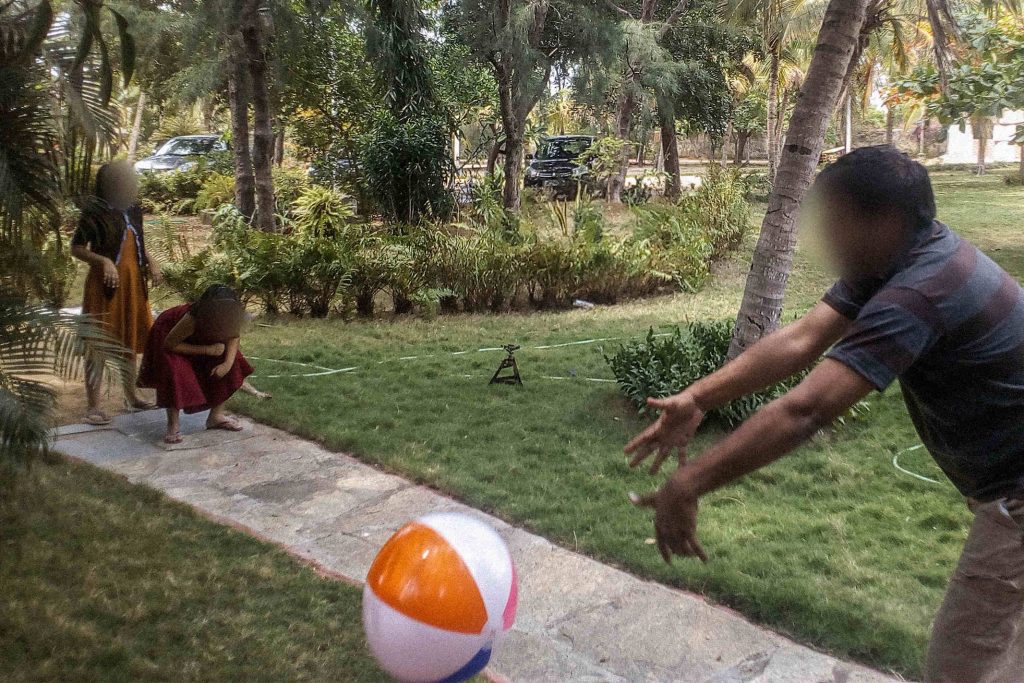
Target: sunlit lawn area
833,544
104,581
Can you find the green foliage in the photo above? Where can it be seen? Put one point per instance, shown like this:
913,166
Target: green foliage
603,159
988,79
408,168
660,366
218,189
689,236
290,182
1014,179
322,212
173,191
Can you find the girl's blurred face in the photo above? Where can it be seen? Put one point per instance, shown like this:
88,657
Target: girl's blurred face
121,185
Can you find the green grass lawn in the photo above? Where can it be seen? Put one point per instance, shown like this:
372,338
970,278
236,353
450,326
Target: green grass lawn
104,581
832,544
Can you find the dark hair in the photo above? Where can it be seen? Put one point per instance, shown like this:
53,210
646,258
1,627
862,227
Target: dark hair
879,179
213,298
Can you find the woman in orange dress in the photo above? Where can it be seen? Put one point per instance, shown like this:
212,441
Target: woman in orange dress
111,240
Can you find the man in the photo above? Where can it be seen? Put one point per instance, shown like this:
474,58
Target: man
917,303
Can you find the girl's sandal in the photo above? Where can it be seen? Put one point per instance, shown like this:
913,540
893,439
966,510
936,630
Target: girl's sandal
172,439
227,424
96,418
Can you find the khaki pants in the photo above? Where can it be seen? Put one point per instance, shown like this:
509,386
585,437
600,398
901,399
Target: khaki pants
978,635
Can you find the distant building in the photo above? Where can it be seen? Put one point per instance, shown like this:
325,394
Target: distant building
962,148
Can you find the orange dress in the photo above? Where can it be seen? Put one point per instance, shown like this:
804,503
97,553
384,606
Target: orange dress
126,315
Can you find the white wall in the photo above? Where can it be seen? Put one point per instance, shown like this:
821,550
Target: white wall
962,148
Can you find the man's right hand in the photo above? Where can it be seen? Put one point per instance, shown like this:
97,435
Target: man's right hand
111,278
678,422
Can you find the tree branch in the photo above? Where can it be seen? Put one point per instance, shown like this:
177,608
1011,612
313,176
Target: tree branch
673,18
618,10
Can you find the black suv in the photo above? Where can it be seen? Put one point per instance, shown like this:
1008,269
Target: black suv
556,165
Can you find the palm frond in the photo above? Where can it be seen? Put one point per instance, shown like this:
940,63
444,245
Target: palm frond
37,343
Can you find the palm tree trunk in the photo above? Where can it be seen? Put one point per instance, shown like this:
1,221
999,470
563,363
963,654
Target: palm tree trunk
245,182
761,309
890,125
263,133
773,112
133,139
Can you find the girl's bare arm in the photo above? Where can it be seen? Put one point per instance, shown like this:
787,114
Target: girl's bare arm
186,327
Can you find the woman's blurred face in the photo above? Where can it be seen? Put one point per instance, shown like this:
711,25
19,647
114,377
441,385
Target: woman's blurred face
222,321
120,185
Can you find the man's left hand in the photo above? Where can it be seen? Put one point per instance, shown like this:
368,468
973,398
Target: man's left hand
675,517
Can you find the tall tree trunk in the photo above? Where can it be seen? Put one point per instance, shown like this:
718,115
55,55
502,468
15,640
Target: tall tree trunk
279,145
133,139
920,138
263,133
514,147
741,147
773,112
890,125
1020,171
623,121
238,99
669,147
763,295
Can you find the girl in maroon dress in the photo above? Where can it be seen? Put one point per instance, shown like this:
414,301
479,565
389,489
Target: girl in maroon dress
193,362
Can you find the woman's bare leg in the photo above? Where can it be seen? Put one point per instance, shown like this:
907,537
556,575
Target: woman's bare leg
93,379
173,426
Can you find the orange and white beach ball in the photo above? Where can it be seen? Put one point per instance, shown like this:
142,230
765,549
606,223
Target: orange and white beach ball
438,597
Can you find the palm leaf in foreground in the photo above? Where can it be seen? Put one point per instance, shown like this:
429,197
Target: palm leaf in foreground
38,343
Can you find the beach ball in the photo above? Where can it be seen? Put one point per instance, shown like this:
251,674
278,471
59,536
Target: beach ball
438,598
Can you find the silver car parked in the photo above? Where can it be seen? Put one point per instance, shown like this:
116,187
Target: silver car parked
181,153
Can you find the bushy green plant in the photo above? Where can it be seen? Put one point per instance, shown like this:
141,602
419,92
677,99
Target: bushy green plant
408,167
299,270
1014,179
322,211
217,190
289,184
660,366
172,191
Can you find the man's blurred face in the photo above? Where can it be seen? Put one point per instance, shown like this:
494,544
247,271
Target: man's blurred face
855,244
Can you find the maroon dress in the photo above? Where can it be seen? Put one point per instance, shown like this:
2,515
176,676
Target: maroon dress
183,381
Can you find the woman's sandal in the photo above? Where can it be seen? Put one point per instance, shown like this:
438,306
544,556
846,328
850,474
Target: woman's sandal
96,418
172,439
228,424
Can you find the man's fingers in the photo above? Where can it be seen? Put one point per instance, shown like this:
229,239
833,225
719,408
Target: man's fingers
697,549
642,439
663,453
657,403
645,501
640,453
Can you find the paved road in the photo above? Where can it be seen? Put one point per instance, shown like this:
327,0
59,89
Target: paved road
579,620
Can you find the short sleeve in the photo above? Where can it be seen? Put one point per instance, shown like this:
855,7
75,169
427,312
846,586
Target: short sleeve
890,333
83,233
846,300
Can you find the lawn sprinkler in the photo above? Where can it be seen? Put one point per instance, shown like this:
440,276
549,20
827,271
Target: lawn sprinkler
506,363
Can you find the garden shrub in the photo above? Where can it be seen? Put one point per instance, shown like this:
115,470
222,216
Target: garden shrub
324,258
407,168
1014,179
217,190
660,366
299,271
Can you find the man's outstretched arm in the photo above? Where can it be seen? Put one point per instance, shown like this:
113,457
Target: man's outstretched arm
776,357
828,392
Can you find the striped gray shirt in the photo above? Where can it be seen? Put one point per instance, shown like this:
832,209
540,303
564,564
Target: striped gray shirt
949,324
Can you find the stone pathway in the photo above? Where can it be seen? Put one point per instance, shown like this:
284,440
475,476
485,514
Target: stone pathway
579,620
